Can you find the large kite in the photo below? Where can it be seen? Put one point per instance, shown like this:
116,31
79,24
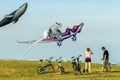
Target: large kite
69,33
14,16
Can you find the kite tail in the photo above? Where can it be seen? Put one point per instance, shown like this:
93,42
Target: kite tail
29,48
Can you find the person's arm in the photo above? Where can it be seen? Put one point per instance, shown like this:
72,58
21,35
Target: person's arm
104,57
84,52
91,52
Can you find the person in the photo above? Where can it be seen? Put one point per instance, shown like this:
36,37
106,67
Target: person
105,60
88,53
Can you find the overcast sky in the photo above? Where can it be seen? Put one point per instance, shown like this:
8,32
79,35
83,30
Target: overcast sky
101,19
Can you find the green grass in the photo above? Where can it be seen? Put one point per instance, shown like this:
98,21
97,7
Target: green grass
27,70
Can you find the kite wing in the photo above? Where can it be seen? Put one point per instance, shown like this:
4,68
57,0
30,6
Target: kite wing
27,42
9,16
42,40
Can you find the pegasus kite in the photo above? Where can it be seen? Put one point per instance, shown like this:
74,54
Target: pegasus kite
69,33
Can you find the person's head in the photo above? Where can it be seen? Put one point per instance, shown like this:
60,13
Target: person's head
103,48
88,49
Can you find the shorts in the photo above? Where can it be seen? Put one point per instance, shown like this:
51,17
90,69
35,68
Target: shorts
73,62
88,60
106,64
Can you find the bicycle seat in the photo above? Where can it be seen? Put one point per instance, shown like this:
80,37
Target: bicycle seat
41,60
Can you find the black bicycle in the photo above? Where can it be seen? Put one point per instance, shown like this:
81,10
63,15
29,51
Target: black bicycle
60,66
76,65
44,68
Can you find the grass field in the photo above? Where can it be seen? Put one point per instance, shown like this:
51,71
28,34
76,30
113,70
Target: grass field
27,70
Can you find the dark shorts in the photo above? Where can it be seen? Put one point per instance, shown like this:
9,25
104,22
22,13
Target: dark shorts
73,62
88,60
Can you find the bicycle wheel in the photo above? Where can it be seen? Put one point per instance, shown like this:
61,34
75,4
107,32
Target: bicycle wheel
75,68
61,69
79,69
41,70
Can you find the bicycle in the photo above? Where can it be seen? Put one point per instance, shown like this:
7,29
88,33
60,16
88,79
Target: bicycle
60,66
44,68
76,65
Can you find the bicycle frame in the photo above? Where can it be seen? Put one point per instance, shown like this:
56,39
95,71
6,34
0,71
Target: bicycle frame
60,66
76,64
44,68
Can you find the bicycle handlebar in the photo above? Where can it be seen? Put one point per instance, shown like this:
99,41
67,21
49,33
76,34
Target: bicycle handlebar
73,57
51,57
59,59
49,60
41,60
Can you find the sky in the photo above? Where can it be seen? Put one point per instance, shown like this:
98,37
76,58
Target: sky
101,19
